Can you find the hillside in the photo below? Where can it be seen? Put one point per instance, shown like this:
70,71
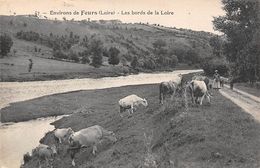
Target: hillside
155,47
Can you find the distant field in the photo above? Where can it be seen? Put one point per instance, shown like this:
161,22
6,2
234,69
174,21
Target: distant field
16,69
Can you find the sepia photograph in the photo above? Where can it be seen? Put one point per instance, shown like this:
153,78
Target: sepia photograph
130,84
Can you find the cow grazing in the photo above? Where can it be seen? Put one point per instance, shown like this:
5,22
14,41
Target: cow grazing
198,89
207,81
90,136
63,134
130,102
44,152
169,88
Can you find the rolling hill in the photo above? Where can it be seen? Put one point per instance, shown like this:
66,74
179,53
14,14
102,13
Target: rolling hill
132,40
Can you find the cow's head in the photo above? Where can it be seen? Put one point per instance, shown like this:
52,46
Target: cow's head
54,150
111,136
144,102
68,134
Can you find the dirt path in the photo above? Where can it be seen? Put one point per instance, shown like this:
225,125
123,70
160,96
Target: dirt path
248,102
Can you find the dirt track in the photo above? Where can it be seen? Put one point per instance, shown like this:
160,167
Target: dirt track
249,103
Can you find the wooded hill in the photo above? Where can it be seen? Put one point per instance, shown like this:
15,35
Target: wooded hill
140,45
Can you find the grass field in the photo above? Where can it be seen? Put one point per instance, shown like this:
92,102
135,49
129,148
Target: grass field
216,135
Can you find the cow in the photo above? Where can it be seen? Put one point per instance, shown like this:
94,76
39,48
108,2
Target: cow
44,152
207,81
63,134
169,88
198,89
223,81
87,137
130,102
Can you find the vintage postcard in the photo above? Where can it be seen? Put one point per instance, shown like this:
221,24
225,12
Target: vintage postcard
130,84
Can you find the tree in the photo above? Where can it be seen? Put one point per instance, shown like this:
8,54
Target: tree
113,56
217,44
96,47
241,25
159,44
6,43
134,62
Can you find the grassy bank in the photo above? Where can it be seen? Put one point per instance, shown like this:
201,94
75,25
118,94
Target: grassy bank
216,135
246,87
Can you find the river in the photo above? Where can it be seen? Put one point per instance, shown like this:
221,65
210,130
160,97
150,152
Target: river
19,138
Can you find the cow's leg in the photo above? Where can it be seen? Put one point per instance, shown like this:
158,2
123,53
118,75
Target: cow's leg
94,149
39,162
135,108
172,97
201,100
121,110
73,162
162,98
208,98
72,155
132,108
129,111
59,140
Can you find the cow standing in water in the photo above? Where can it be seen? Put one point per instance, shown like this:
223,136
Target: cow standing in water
169,88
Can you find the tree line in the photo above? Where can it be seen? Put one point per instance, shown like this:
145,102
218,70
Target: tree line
241,26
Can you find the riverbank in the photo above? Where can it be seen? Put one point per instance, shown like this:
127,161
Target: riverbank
60,104
12,92
216,135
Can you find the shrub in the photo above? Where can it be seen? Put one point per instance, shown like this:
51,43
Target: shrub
73,56
96,47
209,66
6,43
59,54
124,61
85,60
134,62
173,60
113,56
149,64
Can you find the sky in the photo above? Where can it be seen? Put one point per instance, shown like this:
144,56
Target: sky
190,14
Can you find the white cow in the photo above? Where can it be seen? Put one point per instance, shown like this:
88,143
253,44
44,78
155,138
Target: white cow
90,136
198,89
63,133
44,152
130,102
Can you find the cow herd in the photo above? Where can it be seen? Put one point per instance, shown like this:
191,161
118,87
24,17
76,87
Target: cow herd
198,87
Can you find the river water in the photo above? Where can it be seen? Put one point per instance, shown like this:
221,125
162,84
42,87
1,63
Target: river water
18,138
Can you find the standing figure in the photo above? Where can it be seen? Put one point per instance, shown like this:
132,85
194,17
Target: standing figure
30,65
216,77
